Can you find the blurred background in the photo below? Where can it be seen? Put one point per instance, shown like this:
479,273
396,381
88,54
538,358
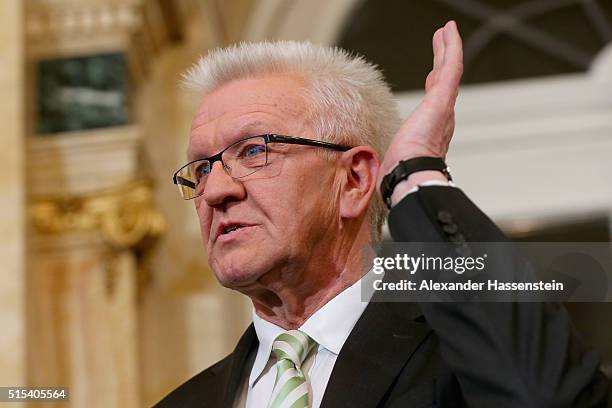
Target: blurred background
105,285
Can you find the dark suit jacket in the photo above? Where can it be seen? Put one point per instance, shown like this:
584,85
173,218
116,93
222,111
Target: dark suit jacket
492,355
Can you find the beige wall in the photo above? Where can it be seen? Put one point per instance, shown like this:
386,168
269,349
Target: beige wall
81,321
12,245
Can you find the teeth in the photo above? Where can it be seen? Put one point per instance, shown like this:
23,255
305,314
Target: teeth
227,230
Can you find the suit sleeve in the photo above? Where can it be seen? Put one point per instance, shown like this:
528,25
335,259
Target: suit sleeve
503,354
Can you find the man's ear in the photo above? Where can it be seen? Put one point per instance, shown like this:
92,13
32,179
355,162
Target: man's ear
360,170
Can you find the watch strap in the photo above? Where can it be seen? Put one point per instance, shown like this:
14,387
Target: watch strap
405,168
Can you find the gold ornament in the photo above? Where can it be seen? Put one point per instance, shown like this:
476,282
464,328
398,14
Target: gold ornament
124,216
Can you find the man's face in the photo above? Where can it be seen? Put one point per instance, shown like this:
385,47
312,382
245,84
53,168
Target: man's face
282,210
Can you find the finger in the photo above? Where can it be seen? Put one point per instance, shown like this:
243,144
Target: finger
438,47
452,67
438,51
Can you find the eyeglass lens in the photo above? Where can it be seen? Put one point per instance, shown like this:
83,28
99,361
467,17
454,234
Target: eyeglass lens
241,159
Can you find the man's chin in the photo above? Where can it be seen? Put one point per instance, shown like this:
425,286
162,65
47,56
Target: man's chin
236,279
239,269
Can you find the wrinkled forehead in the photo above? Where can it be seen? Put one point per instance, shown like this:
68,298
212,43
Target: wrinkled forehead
247,107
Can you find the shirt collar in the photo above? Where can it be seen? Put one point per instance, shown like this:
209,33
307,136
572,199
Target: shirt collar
329,326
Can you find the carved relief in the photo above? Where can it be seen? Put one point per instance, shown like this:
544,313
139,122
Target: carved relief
125,217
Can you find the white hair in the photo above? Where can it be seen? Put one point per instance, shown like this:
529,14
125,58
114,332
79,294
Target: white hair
349,101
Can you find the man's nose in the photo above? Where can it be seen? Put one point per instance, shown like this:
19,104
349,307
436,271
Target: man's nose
221,188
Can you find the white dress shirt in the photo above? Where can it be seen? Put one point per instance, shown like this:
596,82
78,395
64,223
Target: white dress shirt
329,326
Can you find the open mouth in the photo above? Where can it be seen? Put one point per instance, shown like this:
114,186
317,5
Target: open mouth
230,229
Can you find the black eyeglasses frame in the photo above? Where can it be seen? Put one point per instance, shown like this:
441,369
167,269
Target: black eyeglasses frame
268,138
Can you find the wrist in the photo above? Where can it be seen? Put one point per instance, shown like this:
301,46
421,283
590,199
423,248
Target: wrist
404,187
413,171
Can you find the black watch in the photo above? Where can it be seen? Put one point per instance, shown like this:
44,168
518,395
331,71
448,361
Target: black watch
406,168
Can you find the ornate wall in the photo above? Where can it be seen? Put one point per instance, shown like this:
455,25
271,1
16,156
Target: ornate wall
91,220
121,305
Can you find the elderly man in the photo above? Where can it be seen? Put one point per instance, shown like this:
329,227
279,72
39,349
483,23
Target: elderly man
285,172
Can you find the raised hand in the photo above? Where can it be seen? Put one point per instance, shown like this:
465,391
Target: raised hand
429,129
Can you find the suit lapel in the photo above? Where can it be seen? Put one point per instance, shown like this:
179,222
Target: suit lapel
232,375
383,340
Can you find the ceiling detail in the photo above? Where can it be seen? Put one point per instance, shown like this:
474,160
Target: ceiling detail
504,39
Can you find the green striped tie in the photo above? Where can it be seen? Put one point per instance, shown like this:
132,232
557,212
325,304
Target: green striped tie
290,388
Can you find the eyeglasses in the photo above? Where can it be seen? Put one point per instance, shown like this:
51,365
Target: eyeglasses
239,160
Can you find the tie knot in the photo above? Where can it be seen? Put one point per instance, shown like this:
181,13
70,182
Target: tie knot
293,345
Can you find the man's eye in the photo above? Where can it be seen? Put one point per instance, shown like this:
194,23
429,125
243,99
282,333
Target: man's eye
253,150
202,170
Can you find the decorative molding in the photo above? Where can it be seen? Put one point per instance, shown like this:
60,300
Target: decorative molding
78,163
124,217
66,20
140,28
64,28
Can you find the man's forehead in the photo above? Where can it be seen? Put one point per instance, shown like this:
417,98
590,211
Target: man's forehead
241,114
246,107
268,93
